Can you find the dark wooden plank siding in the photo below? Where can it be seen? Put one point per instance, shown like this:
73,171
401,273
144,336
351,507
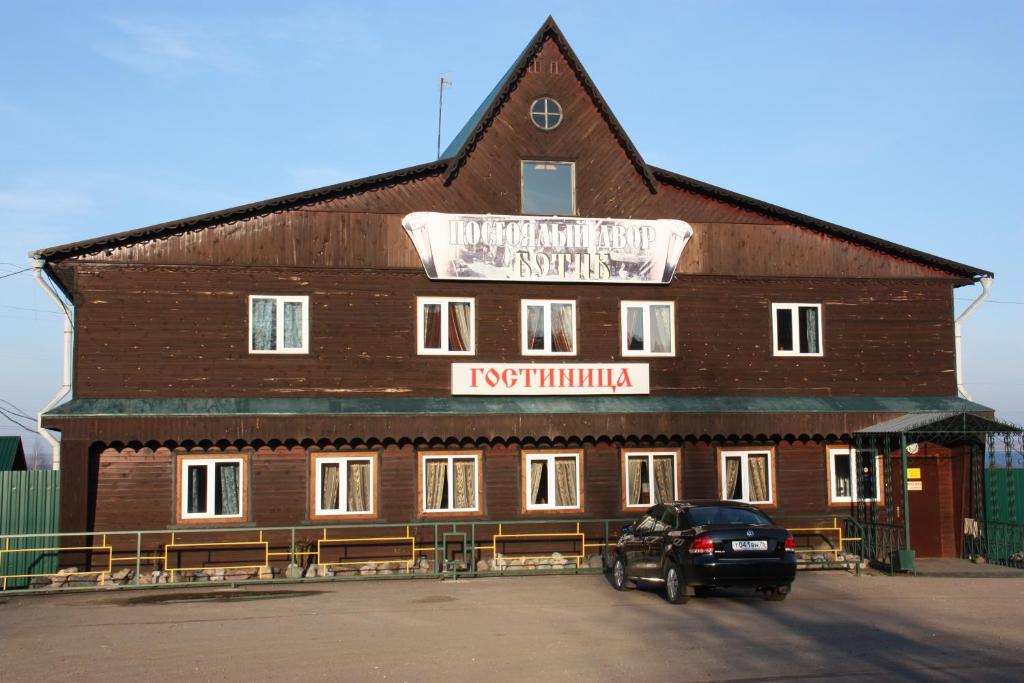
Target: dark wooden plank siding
183,332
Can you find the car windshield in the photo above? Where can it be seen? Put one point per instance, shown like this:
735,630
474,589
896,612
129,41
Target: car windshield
706,516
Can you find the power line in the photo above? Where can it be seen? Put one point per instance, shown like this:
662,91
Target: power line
34,310
5,414
16,410
994,301
8,274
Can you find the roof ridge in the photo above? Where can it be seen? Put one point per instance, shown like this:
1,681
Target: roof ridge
474,129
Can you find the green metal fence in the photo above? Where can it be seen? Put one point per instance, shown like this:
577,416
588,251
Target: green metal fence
998,490
29,504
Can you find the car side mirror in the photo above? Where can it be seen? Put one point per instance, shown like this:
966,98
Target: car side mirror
628,530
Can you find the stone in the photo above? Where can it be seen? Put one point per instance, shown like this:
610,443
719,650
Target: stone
425,565
483,565
978,559
122,576
217,574
367,570
292,571
266,573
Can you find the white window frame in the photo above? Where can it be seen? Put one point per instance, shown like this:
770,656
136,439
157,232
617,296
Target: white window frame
280,301
646,305
549,458
650,455
450,477
342,462
421,302
522,183
211,487
854,496
745,470
524,336
795,323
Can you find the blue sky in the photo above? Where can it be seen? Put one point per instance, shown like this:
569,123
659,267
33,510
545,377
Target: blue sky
903,120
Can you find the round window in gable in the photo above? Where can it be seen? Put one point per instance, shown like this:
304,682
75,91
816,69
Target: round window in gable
546,113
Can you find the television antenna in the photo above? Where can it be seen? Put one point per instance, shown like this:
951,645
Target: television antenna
442,82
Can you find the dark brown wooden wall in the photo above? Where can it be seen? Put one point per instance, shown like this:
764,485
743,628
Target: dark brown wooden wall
135,488
165,332
363,229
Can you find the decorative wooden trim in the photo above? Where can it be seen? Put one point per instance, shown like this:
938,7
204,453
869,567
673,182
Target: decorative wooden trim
244,496
624,453
774,466
580,474
314,456
421,455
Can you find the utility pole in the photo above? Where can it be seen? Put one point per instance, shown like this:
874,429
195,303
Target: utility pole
440,108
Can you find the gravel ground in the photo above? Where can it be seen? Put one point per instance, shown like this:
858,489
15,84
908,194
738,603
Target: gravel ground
834,625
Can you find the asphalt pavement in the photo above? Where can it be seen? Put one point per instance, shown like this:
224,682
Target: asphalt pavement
833,626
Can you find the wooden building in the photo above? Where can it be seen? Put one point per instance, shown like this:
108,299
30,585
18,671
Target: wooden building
538,325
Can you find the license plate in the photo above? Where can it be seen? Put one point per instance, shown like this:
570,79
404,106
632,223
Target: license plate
750,545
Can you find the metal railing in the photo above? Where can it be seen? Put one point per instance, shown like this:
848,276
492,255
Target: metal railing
186,556
998,542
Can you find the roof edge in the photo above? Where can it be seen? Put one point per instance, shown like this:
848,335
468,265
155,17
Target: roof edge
241,212
803,220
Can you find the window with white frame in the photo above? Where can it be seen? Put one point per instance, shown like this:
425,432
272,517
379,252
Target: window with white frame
747,475
278,324
648,328
796,329
650,477
445,326
450,482
552,480
344,484
549,328
853,474
212,488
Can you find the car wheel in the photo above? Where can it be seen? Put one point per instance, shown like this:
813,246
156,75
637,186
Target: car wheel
702,591
619,580
777,593
675,585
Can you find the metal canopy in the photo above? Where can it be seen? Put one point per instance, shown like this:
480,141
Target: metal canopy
947,422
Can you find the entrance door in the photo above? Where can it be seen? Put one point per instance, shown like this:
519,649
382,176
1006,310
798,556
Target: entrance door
925,520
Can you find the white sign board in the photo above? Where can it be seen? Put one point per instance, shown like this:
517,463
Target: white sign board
547,249
549,379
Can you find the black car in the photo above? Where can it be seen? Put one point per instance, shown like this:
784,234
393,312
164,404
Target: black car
704,545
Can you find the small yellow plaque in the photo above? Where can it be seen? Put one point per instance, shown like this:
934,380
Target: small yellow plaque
914,473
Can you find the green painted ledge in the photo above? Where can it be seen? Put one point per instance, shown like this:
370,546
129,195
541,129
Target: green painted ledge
472,405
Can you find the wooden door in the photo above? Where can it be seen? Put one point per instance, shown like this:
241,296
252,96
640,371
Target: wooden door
925,517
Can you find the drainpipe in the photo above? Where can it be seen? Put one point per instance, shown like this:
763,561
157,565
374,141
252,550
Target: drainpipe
986,286
65,388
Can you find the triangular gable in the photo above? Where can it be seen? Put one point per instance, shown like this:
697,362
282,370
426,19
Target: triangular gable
462,146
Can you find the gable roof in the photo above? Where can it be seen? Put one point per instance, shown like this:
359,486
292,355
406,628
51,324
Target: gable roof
12,455
456,154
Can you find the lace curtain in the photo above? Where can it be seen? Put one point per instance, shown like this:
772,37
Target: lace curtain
330,484
661,329
264,324
226,494
664,486
809,322
733,485
635,467
535,328
565,480
293,325
635,329
465,483
197,489
458,326
436,483
431,326
536,474
758,465
358,486
561,328
841,475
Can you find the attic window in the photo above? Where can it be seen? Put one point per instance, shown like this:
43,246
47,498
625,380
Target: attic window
546,113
